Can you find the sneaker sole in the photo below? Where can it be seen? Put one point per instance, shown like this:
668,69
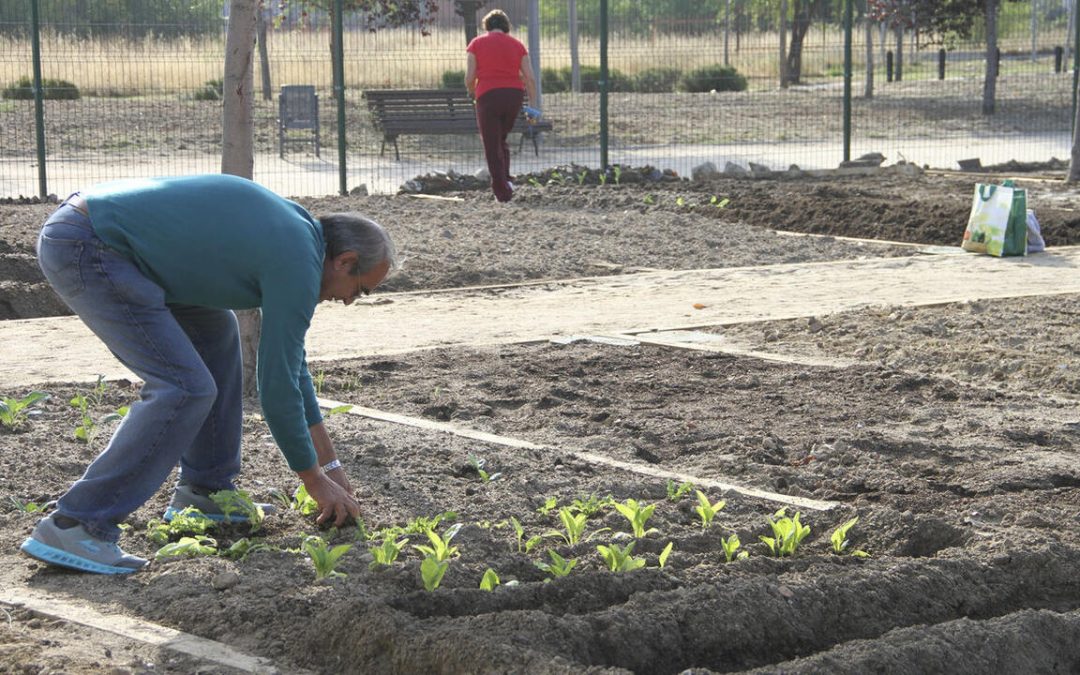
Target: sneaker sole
55,556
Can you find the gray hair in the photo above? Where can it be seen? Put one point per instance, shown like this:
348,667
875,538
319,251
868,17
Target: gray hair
353,232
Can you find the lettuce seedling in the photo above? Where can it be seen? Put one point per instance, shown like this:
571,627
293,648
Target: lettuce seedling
15,412
242,548
638,515
591,505
323,557
840,541
188,521
676,491
188,546
387,553
707,510
620,559
788,533
730,546
440,548
548,506
666,553
524,545
432,571
303,502
26,507
239,503
558,567
478,464
573,526
489,581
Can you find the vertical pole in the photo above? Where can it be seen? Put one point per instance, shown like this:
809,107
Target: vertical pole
575,62
941,64
339,93
849,13
534,51
39,95
603,85
1076,59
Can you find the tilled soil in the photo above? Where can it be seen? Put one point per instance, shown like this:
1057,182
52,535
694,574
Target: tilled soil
950,434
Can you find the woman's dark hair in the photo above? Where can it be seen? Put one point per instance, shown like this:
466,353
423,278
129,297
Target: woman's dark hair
496,19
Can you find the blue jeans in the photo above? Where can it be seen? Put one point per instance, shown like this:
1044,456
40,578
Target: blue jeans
190,409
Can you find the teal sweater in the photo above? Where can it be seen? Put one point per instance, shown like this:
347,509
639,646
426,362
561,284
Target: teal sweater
226,242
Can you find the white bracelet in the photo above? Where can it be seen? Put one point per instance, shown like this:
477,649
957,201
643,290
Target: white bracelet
330,466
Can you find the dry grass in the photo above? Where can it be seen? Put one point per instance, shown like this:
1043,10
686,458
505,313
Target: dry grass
399,58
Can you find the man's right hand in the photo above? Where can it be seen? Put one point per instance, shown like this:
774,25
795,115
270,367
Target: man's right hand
335,502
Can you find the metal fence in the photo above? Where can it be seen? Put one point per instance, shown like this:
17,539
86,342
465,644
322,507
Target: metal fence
136,94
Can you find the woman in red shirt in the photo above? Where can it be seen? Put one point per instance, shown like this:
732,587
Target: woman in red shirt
497,75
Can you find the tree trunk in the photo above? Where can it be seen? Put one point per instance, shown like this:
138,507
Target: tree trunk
869,90
237,136
783,45
800,26
898,69
264,57
1074,159
990,83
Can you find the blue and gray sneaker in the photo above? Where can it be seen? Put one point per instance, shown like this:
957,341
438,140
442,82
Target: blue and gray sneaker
76,548
187,495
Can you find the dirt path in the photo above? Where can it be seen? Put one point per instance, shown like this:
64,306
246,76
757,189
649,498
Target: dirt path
61,349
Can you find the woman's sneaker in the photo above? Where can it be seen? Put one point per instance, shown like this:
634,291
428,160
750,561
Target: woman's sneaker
76,548
187,496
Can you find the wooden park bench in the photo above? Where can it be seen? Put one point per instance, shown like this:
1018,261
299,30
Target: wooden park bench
397,112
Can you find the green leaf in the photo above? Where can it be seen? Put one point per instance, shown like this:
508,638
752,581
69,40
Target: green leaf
666,553
490,580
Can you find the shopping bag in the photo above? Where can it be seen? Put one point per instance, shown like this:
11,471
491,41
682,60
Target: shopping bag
998,221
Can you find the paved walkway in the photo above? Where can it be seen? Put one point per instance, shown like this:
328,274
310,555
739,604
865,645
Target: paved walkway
61,349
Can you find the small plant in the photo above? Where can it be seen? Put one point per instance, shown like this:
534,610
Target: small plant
489,581
337,410
548,506
26,507
319,380
730,546
189,521
680,201
649,199
788,533
242,548
638,514
239,503
534,182
87,430
15,412
617,172
303,502
666,553
478,464
719,202
524,545
676,491
188,547
387,552
582,176
591,505
840,541
323,557
706,509
620,559
440,548
603,178
212,90
558,567
432,571
573,526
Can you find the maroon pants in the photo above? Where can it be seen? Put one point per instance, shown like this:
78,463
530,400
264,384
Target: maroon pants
496,112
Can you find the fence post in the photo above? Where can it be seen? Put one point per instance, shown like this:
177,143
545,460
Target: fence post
339,94
888,66
848,21
941,64
1059,54
39,95
603,85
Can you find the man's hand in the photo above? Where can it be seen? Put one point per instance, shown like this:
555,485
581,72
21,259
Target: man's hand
336,502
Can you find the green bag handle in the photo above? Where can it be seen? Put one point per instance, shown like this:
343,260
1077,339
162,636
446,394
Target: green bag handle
986,192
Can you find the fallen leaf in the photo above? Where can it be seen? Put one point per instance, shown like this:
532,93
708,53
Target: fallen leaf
698,305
